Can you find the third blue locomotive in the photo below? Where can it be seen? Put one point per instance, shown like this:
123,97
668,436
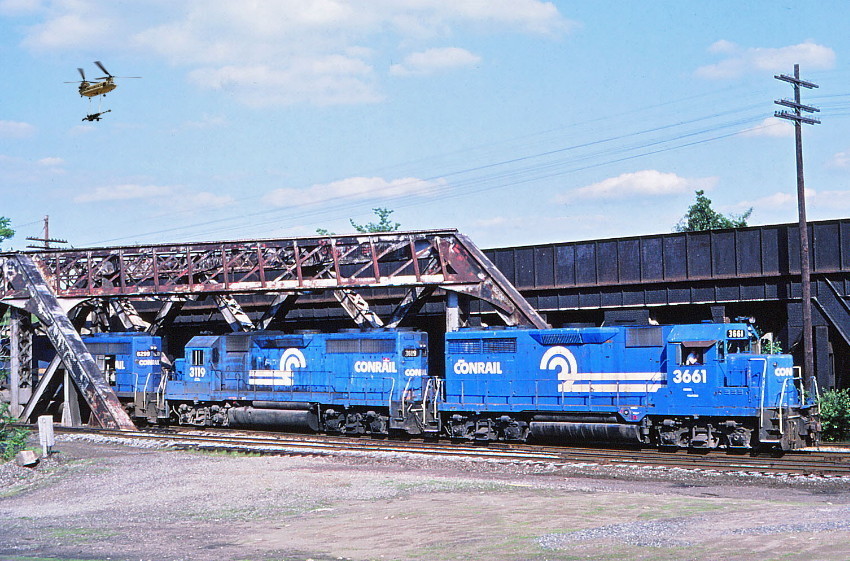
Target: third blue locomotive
690,386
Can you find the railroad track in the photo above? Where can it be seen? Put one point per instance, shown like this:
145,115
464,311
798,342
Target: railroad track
818,463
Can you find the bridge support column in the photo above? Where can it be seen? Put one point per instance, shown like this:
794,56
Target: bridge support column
823,358
20,361
457,311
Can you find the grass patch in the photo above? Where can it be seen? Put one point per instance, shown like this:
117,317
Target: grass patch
81,535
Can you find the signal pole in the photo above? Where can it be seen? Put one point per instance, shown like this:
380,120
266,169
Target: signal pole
805,271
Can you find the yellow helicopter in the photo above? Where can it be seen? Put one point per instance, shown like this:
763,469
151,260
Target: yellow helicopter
92,89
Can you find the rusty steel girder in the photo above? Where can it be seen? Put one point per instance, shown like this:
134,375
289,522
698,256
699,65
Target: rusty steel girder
23,278
443,258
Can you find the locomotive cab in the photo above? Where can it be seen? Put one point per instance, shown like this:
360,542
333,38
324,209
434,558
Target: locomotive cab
132,364
734,397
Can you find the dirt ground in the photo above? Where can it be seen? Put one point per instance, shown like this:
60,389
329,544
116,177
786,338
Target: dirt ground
99,501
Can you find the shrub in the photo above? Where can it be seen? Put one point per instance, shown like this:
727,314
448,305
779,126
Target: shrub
12,439
835,414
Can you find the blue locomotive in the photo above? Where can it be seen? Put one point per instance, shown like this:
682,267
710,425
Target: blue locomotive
336,382
689,386
132,365
692,386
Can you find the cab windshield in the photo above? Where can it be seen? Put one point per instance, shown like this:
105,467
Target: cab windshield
740,346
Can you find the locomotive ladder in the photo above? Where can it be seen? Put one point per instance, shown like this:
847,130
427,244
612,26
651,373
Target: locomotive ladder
51,283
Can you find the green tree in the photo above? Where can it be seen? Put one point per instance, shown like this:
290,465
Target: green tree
5,231
382,225
835,414
701,216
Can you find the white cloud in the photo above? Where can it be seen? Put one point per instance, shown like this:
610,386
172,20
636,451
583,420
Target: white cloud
646,183
740,60
840,159
327,80
787,200
829,200
353,188
772,127
19,7
174,196
16,129
435,60
279,52
51,162
776,201
122,192
71,30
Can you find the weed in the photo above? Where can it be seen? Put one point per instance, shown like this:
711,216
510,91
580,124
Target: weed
12,439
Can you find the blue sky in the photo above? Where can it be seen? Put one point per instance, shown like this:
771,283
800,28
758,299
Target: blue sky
515,121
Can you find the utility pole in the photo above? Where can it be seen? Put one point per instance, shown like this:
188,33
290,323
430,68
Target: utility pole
45,239
805,271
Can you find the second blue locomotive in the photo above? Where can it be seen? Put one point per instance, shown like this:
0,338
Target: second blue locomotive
691,386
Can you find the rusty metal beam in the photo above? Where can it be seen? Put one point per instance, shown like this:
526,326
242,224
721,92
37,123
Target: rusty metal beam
126,313
357,307
169,310
44,391
279,307
24,278
233,313
412,302
398,259
493,287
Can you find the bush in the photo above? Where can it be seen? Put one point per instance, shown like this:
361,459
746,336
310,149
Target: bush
12,439
835,414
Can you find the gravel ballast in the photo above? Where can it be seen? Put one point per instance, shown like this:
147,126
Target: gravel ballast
101,500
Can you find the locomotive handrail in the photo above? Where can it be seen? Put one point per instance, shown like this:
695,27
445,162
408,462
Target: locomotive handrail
425,402
761,398
390,397
160,392
812,382
781,400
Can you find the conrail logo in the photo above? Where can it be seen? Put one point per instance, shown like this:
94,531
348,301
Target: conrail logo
463,367
289,360
375,366
562,360
570,380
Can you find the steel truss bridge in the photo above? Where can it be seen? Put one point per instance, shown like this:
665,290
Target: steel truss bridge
64,289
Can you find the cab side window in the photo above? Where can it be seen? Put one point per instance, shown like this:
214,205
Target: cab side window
692,356
197,357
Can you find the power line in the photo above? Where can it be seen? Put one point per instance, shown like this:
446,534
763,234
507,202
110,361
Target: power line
480,184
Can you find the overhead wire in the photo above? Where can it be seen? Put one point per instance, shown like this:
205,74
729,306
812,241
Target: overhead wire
503,179
313,209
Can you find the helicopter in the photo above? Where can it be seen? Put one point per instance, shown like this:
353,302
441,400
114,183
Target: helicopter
92,89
